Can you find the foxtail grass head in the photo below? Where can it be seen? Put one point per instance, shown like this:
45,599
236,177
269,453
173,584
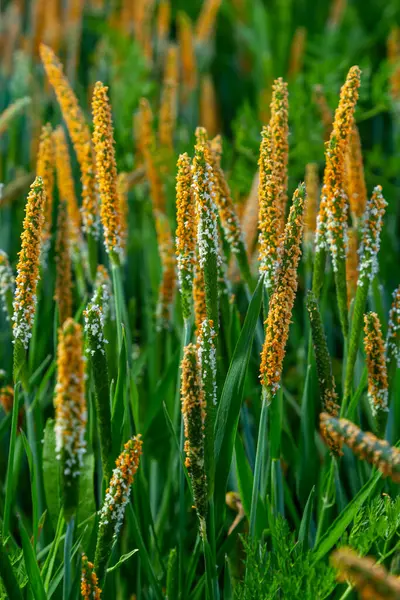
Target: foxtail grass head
45,170
206,21
363,444
393,334
169,100
193,411
280,142
199,297
28,264
63,292
209,109
89,582
122,191
80,136
71,412
148,146
355,180
377,373
168,281
370,579
185,232
352,265
393,53
282,299
7,285
371,231
106,173
187,55
310,217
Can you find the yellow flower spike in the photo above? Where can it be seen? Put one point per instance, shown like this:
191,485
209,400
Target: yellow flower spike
269,219
106,173
71,412
393,334
194,414
89,582
163,22
376,363
356,188
310,217
168,282
209,111
187,55
249,217
148,147
185,232
352,265
206,21
280,142
216,148
28,264
65,183
169,100
297,52
282,299
80,136
393,53
122,191
45,170
63,294
370,579
325,112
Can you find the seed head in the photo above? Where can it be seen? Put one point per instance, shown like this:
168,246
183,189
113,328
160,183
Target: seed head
356,188
185,232
199,297
207,357
209,110
325,112
70,403
80,136
371,580
148,146
118,492
365,445
393,52
280,143
28,264
169,101
106,172
163,22
297,51
310,217
393,334
7,284
352,265
168,282
63,294
282,299
206,21
45,170
187,54
122,191
377,374
193,411
371,231
89,582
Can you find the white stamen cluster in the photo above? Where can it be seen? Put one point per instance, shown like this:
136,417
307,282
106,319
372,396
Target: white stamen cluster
336,231
7,283
94,327
207,356
207,227
393,334
372,226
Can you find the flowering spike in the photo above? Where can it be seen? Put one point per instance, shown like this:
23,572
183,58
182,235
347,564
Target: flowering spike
371,230
115,501
365,445
393,52
45,170
122,191
7,285
352,265
377,374
80,136
71,414
249,218
89,588
269,211
325,112
282,299
297,52
371,580
187,55
185,232
204,188
66,186
199,297
206,20
28,264
280,145
106,172
63,293
356,188
393,334
163,23
148,146
103,290
168,105
209,112
193,411
310,216
168,281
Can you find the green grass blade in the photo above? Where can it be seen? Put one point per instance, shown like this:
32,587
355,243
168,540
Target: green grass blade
32,567
10,463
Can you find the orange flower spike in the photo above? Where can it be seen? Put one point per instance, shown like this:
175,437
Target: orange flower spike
310,217
122,190
376,363
297,51
163,21
89,582
169,101
168,281
206,22
148,147
106,173
325,112
393,334
80,136
352,265
280,142
393,53
28,264
65,183
45,170
63,293
282,299
187,55
209,111
356,188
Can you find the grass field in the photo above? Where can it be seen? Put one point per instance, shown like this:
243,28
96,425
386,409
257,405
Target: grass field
200,299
